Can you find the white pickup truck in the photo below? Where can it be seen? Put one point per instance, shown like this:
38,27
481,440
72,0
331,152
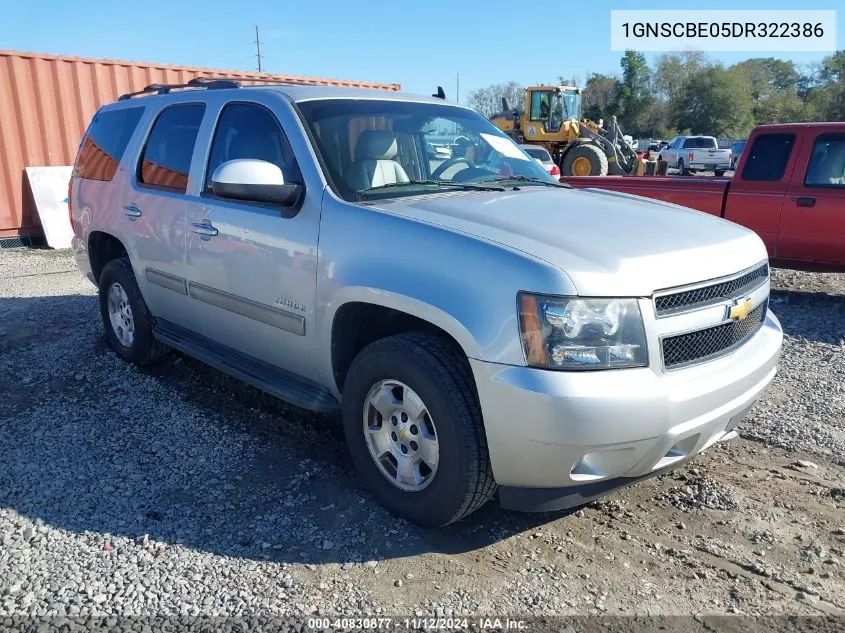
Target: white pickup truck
689,154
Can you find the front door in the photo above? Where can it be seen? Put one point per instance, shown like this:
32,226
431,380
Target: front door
812,224
252,266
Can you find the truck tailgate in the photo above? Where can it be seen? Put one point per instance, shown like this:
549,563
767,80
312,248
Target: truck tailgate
704,194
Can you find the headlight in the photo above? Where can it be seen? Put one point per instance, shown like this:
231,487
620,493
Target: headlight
574,333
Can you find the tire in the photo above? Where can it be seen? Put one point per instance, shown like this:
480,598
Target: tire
681,169
141,347
592,153
439,375
719,173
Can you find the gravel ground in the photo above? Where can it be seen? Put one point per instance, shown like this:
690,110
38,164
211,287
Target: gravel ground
180,491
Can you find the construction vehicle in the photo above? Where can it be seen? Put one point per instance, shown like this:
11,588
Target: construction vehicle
551,117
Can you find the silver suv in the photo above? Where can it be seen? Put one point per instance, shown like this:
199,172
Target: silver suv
480,326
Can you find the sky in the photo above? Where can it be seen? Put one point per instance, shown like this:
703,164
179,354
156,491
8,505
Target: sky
420,45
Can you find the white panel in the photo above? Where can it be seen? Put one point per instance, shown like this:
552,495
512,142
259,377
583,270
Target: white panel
49,189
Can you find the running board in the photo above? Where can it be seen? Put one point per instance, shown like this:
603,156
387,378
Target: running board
285,385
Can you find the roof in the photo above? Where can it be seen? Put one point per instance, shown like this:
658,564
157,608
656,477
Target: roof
300,93
797,126
310,93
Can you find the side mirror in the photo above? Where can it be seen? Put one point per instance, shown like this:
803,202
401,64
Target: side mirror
255,181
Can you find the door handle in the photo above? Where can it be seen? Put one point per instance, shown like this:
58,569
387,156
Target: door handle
132,211
204,229
805,201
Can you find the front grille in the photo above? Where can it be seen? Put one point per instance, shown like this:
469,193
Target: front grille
695,347
697,297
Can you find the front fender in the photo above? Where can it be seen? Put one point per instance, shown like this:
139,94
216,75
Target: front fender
460,283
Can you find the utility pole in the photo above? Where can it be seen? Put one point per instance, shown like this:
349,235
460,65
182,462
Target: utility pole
257,49
458,87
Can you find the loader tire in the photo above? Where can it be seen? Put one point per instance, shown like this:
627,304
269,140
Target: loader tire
581,157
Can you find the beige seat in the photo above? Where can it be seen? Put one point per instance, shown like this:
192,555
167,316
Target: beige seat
374,165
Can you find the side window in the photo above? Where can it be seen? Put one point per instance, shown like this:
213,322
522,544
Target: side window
827,162
539,106
766,161
249,130
166,160
107,138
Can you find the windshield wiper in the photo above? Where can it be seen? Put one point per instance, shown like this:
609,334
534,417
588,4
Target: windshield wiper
538,181
446,183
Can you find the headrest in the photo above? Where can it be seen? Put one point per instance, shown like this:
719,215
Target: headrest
376,145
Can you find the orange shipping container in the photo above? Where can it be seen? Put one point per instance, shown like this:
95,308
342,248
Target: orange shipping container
47,101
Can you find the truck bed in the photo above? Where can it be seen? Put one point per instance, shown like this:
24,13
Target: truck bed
704,194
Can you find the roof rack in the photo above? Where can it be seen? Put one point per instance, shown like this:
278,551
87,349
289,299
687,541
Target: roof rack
198,82
215,83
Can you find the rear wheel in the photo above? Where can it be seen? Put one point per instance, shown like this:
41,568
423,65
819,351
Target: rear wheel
127,320
681,169
719,173
415,431
584,160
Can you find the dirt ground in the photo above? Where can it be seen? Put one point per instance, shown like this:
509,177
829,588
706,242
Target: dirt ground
223,477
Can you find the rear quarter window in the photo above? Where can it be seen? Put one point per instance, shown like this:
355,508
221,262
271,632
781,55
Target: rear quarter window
767,158
104,144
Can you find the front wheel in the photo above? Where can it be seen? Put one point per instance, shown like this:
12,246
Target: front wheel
719,173
584,160
415,431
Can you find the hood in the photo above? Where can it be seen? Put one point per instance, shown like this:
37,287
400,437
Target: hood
609,244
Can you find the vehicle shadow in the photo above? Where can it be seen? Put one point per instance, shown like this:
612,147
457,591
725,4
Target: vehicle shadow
183,454
815,316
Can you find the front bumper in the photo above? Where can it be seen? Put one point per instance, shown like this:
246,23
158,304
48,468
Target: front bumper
558,439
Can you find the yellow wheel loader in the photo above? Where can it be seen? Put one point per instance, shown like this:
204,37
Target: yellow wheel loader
551,117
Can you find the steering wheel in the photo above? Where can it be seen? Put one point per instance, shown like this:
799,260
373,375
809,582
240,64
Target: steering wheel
449,163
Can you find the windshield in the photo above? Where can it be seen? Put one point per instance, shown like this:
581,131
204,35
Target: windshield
572,104
374,149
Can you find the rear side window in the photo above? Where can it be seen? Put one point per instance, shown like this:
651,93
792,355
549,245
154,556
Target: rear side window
106,141
700,143
768,157
166,160
827,162
249,130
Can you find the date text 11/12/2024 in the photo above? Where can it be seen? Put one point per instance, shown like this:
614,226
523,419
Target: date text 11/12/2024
417,623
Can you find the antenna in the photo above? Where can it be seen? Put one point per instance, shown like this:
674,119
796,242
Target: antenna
257,48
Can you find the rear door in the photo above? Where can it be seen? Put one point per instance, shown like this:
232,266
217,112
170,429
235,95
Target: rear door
155,205
812,224
756,194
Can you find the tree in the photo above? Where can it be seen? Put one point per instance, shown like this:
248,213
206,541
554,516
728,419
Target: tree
716,102
672,77
634,91
488,101
772,84
600,100
831,90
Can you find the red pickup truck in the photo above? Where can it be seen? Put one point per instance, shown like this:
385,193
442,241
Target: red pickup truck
789,187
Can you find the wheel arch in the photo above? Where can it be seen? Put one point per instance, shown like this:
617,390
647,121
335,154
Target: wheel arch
103,247
362,318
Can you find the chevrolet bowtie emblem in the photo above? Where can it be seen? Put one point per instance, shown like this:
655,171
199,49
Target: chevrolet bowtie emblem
740,309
